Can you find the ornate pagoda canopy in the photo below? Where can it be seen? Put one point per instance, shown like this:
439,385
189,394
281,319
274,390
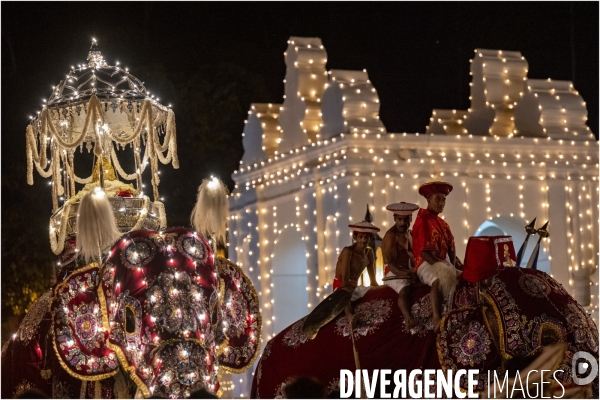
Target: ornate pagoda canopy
105,109
101,106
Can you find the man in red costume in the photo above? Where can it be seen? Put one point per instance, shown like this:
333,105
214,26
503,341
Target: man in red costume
433,243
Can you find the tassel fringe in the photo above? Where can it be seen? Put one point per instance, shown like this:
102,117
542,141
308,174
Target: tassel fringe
210,215
96,227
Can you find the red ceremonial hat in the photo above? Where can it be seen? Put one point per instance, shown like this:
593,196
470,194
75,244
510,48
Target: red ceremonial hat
429,188
402,208
485,255
364,227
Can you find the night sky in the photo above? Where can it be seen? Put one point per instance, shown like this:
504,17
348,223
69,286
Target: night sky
210,60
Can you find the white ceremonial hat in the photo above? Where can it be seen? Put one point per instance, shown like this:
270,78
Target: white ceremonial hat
402,208
364,227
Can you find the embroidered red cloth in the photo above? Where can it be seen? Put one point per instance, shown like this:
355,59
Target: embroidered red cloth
528,309
485,255
337,283
430,232
148,310
381,340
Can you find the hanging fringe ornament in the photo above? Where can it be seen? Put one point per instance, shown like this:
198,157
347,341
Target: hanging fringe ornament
96,227
57,236
71,172
143,130
210,215
60,190
98,150
172,135
34,157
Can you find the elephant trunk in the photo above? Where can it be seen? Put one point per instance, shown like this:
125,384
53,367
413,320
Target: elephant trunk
182,367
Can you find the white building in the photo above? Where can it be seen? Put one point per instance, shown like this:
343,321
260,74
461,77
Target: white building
313,163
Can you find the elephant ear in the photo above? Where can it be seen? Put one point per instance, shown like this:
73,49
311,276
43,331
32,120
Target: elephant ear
239,319
465,342
78,333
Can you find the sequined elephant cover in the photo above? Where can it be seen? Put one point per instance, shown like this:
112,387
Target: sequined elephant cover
380,337
525,308
160,317
160,309
74,361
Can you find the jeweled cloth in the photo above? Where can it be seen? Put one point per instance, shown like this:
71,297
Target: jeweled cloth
522,310
381,340
526,310
157,310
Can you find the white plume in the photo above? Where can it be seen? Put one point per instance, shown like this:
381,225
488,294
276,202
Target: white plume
96,227
445,272
448,280
211,212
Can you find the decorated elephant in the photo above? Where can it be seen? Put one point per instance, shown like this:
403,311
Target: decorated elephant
135,312
138,309
159,316
495,321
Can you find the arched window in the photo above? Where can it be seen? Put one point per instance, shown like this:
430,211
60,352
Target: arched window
289,279
365,279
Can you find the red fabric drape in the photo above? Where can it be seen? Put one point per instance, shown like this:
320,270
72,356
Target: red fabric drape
382,342
432,233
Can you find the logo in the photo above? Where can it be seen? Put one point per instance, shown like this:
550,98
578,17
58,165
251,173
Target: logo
584,363
428,383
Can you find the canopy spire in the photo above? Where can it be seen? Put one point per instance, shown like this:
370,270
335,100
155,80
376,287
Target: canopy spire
94,57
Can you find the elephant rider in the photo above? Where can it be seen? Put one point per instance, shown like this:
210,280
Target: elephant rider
355,258
433,244
351,263
399,258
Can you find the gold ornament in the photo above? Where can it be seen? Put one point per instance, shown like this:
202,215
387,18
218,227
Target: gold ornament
508,262
109,172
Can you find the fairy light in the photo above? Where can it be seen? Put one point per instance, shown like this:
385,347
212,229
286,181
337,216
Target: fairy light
488,197
545,189
521,204
572,265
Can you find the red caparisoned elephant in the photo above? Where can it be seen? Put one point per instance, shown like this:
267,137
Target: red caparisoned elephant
497,322
138,309
160,316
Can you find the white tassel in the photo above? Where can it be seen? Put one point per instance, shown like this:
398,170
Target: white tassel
446,274
96,227
210,215
448,280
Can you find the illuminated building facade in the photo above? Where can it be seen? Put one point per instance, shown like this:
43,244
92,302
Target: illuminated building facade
313,163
